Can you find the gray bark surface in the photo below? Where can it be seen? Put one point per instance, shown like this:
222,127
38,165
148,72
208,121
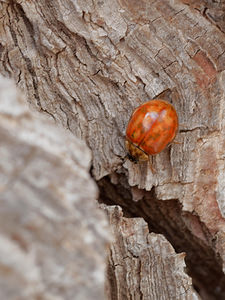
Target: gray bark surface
53,237
88,64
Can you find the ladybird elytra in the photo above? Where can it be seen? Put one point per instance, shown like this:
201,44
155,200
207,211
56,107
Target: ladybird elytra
152,126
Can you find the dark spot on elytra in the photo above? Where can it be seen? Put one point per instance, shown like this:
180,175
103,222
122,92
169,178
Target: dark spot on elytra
155,136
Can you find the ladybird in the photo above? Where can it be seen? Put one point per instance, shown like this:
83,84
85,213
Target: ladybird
152,126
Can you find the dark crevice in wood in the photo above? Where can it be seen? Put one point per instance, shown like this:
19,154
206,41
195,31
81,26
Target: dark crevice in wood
167,218
213,11
112,288
1,49
20,13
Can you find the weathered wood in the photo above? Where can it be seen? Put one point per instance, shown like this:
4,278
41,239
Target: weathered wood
183,230
53,237
143,265
88,64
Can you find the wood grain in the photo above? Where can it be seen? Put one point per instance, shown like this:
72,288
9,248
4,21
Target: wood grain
53,237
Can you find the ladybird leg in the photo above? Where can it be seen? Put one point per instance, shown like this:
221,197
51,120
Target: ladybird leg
173,142
150,160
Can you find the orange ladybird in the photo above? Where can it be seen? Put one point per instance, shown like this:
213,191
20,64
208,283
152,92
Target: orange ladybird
152,126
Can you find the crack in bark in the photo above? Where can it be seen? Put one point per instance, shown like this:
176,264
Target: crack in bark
166,217
208,17
26,59
184,130
48,113
26,21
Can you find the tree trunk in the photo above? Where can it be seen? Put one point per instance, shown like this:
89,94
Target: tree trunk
88,64
52,238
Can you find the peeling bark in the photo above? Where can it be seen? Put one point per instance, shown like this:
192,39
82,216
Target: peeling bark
88,64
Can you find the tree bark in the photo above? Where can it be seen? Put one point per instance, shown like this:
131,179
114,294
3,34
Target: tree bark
88,64
53,237
143,265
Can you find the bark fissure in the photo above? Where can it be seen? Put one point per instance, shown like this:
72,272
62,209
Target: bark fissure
212,11
165,217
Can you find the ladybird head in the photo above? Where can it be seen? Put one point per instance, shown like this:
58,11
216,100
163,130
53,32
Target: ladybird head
135,154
